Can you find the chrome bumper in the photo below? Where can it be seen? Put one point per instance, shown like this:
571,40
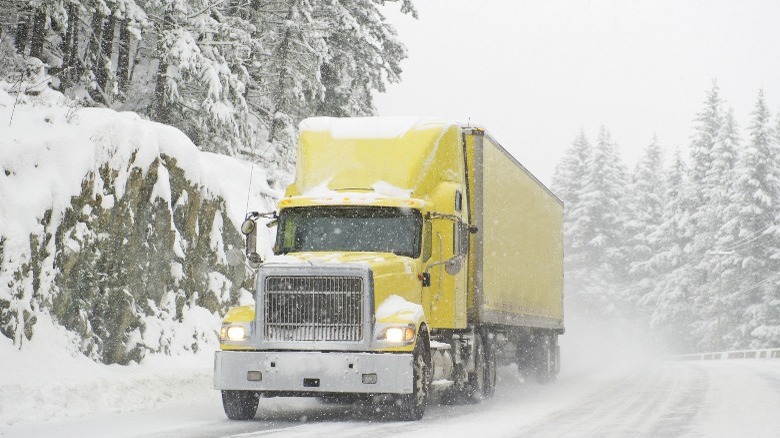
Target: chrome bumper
313,372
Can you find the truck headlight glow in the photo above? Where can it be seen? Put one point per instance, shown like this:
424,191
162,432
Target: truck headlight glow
398,335
394,334
234,332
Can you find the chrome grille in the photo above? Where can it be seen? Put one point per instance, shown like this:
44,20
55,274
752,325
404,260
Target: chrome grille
322,308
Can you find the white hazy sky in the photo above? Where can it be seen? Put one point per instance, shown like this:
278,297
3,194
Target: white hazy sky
535,72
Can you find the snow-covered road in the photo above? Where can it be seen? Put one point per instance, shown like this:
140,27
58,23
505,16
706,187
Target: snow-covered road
710,399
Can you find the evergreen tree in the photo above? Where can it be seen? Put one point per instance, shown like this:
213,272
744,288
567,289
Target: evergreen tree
646,204
670,300
200,83
601,209
703,222
719,296
230,74
706,133
363,53
568,182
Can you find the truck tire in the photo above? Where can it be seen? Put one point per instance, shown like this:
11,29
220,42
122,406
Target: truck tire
542,366
479,385
551,359
239,405
412,406
477,379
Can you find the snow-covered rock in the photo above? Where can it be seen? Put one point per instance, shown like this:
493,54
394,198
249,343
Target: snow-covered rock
116,229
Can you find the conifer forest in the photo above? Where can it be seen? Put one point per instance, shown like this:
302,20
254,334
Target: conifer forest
236,76
688,243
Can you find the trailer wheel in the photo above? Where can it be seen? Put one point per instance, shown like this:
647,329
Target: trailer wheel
552,359
412,406
543,364
239,405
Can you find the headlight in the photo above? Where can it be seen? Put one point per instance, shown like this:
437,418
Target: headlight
234,332
397,335
394,334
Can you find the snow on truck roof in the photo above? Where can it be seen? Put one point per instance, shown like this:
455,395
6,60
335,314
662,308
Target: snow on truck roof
370,127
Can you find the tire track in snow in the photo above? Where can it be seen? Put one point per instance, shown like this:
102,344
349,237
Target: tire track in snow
655,401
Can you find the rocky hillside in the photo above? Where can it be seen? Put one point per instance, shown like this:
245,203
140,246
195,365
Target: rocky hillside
117,228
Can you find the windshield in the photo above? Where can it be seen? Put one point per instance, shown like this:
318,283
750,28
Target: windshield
359,229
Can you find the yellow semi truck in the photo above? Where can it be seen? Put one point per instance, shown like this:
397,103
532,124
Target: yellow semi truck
409,255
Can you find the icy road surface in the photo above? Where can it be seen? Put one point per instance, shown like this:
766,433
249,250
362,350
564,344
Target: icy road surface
658,399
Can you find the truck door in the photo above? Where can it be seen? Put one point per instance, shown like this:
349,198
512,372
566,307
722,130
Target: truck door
461,251
446,295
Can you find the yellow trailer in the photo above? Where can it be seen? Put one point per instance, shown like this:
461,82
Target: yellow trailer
409,254
518,254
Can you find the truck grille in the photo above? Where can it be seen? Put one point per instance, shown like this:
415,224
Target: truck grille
314,308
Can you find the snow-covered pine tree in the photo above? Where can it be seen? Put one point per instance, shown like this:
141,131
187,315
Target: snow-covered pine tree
702,222
317,58
601,209
718,299
645,201
568,182
708,124
285,76
363,53
758,199
34,21
200,82
233,75
591,180
133,21
670,299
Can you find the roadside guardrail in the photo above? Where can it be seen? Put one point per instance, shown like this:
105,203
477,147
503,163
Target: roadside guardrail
767,353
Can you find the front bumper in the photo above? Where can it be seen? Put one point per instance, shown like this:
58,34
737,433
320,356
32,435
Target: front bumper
306,372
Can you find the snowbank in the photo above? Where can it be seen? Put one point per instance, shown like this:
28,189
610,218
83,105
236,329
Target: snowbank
47,382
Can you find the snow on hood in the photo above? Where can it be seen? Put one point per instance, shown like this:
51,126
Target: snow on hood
397,307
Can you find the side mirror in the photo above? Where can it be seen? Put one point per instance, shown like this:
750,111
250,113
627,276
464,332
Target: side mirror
249,229
453,265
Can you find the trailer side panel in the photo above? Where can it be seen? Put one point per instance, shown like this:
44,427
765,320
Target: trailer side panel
519,266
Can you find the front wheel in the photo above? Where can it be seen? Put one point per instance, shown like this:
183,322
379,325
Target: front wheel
239,405
412,406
